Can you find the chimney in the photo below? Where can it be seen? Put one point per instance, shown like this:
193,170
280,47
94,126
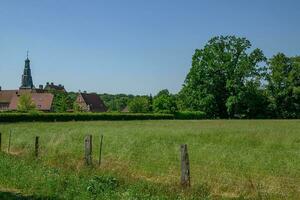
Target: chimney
41,87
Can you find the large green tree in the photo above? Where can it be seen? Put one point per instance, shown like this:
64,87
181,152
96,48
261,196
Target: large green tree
139,104
164,102
62,101
116,102
284,86
222,75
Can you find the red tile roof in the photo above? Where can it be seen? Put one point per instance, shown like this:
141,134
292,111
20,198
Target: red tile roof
43,101
6,95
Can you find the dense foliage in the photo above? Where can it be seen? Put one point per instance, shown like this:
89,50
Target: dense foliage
62,101
222,76
284,86
116,102
139,104
227,80
164,102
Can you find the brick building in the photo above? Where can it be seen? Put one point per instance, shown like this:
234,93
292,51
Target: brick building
9,98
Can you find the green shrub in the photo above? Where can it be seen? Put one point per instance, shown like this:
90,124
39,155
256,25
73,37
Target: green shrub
50,117
101,184
190,115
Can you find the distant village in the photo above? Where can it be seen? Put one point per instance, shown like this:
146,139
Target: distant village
42,96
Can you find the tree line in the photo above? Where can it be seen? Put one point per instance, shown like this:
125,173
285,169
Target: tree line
227,79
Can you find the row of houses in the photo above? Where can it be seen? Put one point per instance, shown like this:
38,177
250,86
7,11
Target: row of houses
43,97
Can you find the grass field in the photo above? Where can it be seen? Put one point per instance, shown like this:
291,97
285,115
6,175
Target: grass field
230,159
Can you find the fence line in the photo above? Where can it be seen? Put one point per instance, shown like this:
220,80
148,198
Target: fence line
185,180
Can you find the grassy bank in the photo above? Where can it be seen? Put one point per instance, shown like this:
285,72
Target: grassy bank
258,159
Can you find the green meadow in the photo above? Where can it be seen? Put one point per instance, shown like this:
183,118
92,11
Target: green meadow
229,159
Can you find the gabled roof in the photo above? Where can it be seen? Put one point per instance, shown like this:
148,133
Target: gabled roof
94,101
6,95
42,101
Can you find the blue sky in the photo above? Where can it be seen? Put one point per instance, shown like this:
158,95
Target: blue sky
136,47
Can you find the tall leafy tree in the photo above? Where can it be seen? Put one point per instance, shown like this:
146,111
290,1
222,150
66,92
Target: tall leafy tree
164,102
139,104
284,86
62,101
221,72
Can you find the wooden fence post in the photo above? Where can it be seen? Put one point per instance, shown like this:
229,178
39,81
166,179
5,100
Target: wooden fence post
9,141
185,167
36,146
0,141
100,150
88,149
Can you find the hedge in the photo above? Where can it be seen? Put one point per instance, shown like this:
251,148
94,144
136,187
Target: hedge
26,117
190,115
51,117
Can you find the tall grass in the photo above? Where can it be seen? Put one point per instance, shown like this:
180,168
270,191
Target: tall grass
229,158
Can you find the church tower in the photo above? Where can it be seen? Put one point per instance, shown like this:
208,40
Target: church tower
26,77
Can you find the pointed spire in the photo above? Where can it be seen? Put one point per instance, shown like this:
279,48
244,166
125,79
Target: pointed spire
27,82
